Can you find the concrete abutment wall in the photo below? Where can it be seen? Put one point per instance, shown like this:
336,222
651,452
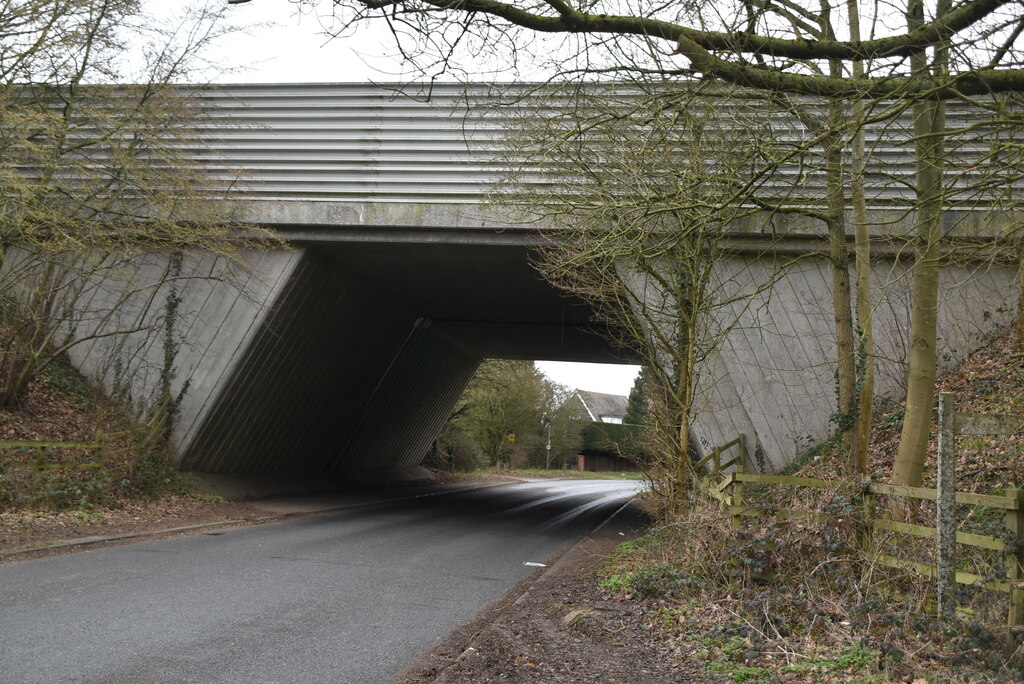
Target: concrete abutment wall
772,379
283,367
293,365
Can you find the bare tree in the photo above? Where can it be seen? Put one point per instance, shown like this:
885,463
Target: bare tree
94,171
505,402
639,219
774,46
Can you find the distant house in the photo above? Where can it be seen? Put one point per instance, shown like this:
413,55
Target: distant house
603,408
601,441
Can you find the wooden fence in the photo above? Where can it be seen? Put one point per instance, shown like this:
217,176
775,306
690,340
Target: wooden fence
712,463
729,489
38,464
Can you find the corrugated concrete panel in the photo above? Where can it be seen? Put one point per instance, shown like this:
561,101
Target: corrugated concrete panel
975,301
214,321
274,383
739,357
409,405
759,358
224,326
720,415
890,293
273,386
130,365
348,142
809,337
130,300
119,301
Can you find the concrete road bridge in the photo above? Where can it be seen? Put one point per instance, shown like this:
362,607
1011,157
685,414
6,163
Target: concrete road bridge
347,351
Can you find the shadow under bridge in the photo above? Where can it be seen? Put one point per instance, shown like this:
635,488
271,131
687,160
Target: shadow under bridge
370,340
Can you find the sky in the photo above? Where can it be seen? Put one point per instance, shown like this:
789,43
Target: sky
285,45
282,45
293,46
609,378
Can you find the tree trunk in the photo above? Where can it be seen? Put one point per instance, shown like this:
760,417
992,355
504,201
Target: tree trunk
929,126
682,459
1020,302
13,378
684,392
846,366
921,371
862,241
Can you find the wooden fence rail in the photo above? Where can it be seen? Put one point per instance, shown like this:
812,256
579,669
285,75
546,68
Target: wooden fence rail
45,444
712,464
38,444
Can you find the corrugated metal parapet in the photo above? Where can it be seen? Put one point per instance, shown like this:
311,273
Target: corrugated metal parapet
450,143
348,143
454,144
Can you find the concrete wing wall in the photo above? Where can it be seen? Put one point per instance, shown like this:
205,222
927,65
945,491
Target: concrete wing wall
118,309
773,377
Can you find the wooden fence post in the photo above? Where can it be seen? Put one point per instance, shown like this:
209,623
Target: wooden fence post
1015,571
867,508
737,500
945,509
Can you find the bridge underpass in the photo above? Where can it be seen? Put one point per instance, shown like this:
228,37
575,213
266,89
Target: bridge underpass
370,345
484,295
346,352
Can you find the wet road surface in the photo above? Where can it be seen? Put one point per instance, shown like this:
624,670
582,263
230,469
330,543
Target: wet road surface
350,596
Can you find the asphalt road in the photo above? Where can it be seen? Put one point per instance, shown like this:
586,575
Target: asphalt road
352,596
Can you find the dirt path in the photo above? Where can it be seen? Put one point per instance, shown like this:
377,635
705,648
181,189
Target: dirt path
22,531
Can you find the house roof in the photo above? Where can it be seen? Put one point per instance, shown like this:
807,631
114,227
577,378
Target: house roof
599,405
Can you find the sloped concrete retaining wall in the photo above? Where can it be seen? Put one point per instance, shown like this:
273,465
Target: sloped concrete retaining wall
773,379
335,378
283,366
